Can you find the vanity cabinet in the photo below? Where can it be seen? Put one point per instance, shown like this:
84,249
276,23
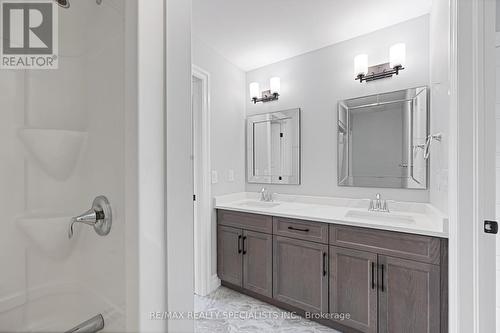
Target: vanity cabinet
387,281
409,298
377,280
244,257
383,293
229,255
300,274
257,262
353,287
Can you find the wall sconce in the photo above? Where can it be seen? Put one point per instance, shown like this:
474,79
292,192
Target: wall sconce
267,95
397,58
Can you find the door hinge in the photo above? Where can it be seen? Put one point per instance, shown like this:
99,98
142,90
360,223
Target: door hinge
491,227
194,197
281,135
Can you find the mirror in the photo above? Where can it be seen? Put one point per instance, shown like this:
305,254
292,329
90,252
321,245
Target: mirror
273,147
381,140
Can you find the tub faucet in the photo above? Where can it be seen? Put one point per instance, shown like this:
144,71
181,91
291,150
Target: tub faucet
379,205
265,195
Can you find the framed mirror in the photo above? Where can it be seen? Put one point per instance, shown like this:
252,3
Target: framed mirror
381,140
273,147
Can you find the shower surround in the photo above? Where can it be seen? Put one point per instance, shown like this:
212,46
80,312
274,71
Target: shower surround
62,144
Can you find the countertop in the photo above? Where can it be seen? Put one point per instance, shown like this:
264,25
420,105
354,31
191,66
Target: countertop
407,217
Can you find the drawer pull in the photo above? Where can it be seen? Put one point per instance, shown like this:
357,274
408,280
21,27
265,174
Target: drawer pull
298,229
382,287
239,244
244,249
324,264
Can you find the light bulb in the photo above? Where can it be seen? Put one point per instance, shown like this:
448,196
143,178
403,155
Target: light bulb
254,90
360,64
397,54
275,84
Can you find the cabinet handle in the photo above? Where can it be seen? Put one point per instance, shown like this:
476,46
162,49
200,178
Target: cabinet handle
373,275
244,248
382,287
324,263
299,229
239,244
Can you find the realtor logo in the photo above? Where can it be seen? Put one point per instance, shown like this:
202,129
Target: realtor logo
29,34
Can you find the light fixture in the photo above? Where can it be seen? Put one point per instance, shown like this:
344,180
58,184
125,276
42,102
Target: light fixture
267,95
397,59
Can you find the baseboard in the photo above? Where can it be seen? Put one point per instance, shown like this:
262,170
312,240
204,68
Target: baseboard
214,283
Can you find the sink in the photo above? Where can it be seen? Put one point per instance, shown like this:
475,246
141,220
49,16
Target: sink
380,217
259,204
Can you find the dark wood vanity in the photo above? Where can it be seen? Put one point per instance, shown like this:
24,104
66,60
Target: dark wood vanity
386,281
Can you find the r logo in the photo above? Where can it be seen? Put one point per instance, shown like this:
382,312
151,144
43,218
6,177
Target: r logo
28,34
27,28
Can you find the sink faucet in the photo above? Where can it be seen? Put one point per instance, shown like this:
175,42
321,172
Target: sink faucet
379,205
265,195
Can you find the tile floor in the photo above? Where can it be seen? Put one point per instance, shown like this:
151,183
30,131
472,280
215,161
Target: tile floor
227,311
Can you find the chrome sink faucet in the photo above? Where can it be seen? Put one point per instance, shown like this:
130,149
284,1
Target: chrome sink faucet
265,195
379,205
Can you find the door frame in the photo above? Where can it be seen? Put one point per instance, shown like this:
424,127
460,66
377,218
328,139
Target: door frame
472,166
203,222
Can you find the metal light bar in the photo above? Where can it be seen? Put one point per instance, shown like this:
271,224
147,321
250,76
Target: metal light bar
379,72
267,96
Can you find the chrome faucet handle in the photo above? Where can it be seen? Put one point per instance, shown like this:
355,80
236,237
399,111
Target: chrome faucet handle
99,216
385,208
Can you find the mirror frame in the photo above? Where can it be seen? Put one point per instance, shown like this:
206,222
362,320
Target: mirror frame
273,179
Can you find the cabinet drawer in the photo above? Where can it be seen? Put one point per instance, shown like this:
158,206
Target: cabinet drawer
415,247
254,222
300,229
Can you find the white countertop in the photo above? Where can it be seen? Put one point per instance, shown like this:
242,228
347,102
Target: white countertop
408,217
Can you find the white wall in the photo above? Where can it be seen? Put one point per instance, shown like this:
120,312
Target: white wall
227,104
179,164
440,102
316,81
151,148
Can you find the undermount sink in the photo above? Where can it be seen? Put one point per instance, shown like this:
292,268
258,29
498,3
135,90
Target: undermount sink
260,204
380,217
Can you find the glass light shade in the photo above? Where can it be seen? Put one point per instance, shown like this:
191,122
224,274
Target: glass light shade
275,84
254,90
397,55
360,64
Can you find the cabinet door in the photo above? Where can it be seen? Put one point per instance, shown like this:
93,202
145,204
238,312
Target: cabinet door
258,262
353,287
300,274
229,255
409,296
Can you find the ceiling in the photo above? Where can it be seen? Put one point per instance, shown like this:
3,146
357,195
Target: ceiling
255,33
